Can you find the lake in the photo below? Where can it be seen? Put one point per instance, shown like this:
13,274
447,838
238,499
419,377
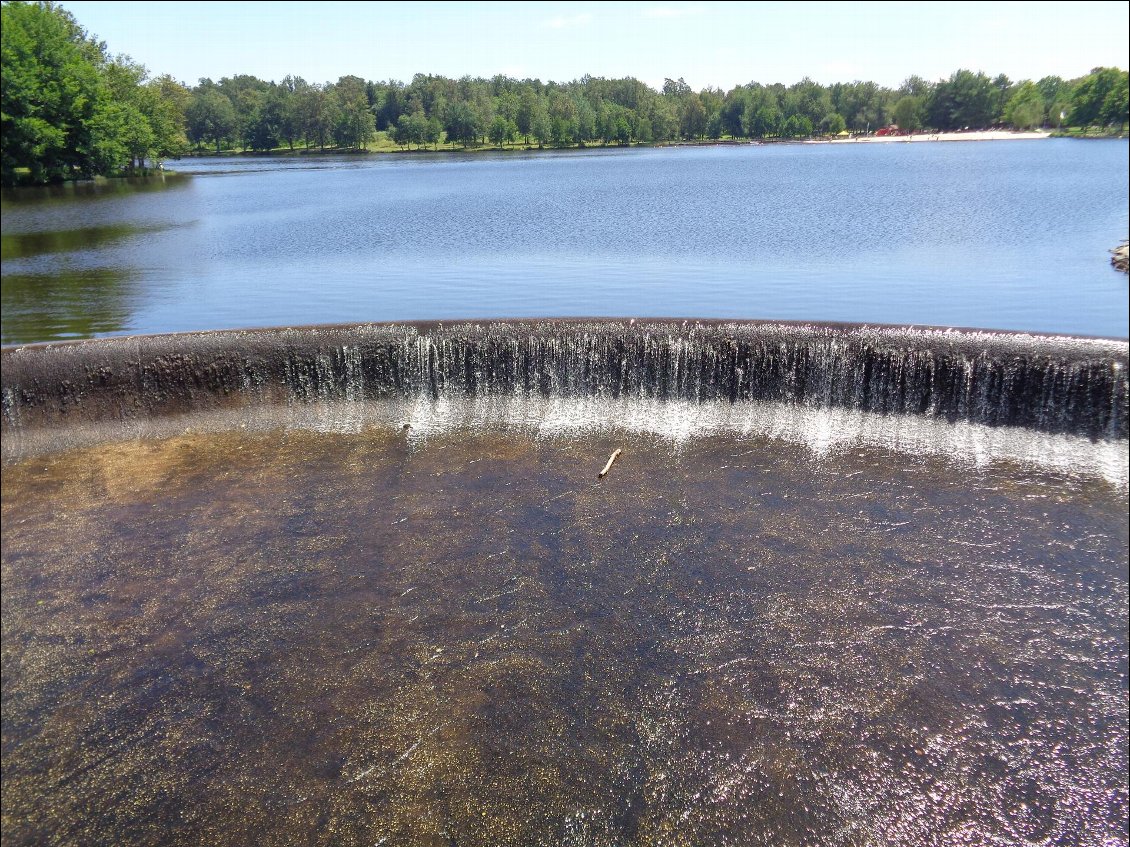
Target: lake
1001,235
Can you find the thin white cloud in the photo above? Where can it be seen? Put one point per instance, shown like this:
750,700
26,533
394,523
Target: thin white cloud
681,11
563,22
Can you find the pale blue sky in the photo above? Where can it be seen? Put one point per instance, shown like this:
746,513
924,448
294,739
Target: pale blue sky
715,44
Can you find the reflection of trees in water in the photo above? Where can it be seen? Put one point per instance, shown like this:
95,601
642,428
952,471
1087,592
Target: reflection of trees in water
78,303
24,245
94,188
72,302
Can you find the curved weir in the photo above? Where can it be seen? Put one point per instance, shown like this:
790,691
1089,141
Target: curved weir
1047,384
361,585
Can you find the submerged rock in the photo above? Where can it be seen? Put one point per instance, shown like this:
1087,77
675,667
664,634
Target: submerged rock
1120,257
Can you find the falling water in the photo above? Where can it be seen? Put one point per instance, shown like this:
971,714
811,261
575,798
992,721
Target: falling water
973,395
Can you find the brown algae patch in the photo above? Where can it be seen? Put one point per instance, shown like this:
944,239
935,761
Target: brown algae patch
297,637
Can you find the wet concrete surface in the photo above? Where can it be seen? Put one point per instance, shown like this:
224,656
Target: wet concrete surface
303,638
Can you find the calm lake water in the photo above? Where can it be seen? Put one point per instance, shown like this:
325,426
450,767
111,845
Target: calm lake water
1006,235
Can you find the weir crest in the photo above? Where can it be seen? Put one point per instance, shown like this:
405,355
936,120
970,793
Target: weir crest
980,394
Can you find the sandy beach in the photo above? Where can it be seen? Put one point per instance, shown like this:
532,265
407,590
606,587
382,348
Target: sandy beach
977,135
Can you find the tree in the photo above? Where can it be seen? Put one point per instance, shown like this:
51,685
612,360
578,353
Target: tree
733,106
966,100
356,124
563,131
833,124
663,119
70,110
676,88
1025,108
149,117
434,132
863,104
714,126
542,127
808,99
761,121
211,118
128,134
265,124
248,95
411,129
915,86
692,117
507,105
1057,98
462,124
55,117
1004,90
316,115
527,108
1100,98
289,93
796,126
1114,111
641,131
501,130
168,116
585,126
908,113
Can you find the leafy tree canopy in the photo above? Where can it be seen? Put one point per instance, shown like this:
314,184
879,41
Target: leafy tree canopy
71,111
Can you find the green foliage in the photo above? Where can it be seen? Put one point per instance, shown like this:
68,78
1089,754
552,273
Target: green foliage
833,124
692,117
714,126
796,126
462,124
1057,96
211,118
165,104
966,100
908,113
55,105
730,113
69,111
808,100
542,129
356,124
1004,90
412,129
762,121
864,105
1100,99
1025,109
502,130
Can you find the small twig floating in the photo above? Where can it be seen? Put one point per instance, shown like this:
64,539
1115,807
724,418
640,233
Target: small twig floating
608,467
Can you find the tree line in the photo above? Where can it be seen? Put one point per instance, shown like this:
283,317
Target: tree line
70,109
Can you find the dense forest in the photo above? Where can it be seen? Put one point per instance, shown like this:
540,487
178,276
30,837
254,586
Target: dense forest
72,110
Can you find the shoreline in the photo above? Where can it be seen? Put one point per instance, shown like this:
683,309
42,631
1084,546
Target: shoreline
975,135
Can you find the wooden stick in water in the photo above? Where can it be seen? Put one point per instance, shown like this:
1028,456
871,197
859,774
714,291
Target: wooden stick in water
608,467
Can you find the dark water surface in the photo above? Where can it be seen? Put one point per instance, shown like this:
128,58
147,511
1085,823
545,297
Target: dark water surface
728,641
1006,235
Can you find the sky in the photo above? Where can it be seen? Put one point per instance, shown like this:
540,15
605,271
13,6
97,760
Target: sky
708,44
